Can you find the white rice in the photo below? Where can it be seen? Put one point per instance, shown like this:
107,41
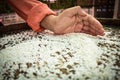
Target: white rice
45,56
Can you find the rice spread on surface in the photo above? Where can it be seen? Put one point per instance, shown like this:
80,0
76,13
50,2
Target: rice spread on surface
43,56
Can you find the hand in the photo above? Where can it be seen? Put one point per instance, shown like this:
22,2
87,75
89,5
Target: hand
73,20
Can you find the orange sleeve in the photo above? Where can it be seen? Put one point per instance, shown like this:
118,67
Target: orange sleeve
32,11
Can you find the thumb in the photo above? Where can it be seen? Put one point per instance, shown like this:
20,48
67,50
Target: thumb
81,12
71,11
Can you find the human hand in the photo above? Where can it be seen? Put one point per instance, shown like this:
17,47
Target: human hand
74,20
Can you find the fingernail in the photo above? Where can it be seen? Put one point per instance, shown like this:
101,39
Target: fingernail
102,34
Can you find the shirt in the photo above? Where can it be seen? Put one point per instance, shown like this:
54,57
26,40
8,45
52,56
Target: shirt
32,11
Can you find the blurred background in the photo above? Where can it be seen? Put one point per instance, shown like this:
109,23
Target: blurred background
104,10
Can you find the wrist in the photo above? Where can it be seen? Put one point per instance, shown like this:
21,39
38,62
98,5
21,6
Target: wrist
49,22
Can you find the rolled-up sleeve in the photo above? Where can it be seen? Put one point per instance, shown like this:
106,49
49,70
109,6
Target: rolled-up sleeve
32,11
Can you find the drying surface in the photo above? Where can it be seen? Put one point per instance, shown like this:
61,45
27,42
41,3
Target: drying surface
43,56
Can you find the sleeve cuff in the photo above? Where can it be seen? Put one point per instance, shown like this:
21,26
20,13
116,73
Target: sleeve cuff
36,15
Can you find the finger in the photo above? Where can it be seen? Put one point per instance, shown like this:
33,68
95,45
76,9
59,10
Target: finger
97,31
88,30
70,29
85,26
96,25
78,27
71,11
86,23
81,12
100,31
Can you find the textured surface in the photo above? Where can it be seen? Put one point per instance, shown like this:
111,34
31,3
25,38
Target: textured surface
43,56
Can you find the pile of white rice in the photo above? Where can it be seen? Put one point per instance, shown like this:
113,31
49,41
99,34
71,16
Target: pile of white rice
44,56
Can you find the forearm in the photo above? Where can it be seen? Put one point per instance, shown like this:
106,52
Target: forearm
23,7
32,11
